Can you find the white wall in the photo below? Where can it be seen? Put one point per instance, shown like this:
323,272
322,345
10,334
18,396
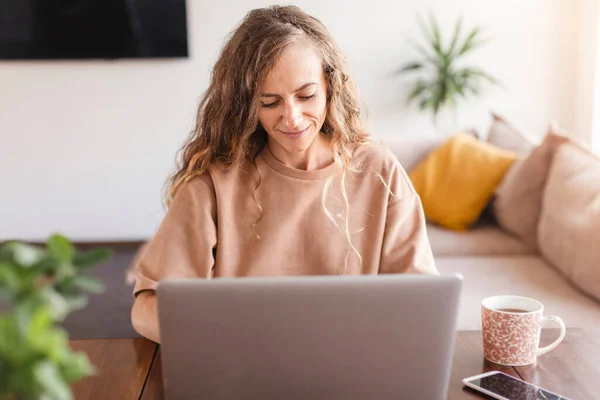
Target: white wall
587,83
85,146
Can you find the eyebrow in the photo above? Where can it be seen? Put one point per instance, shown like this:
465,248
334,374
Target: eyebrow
297,90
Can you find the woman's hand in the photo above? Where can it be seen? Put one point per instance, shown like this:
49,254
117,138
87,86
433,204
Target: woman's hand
144,316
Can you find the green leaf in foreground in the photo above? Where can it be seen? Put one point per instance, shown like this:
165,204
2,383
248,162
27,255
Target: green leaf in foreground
40,286
48,377
61,248
76,366
25,255
89,284
91,257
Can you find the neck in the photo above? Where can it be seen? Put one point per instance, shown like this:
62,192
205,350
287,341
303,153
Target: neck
317,156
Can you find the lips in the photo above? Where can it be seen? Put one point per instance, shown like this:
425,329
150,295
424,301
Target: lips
295,134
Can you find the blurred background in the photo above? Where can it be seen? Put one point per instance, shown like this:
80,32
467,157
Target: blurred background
87,138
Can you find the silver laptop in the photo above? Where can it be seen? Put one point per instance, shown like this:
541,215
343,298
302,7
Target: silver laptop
316,337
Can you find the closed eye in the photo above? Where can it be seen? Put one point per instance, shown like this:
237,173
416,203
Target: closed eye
270,105
303,98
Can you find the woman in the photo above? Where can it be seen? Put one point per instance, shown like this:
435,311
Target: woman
279,177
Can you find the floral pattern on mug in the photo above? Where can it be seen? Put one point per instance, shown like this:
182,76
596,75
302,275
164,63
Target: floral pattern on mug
510,338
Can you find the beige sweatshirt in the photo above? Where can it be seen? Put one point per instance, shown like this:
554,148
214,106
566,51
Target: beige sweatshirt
267,219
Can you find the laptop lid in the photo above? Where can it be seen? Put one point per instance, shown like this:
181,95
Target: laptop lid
329,337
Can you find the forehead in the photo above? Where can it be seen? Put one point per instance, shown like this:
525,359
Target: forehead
299,63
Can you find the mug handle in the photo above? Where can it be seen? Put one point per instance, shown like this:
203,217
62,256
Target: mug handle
563,330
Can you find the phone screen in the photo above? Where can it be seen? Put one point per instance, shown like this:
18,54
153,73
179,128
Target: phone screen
514,389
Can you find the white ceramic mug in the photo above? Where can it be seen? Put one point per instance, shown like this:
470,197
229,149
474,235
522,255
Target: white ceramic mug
511,328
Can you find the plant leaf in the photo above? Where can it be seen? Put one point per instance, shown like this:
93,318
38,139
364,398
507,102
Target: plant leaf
457,85
23,312
50,341
48,376
447,84
66,270
24,254
469,41
61,248
455,36
471,88
437,99
39,323
423,104
484,75
9,277
91,257
76,302
436,36
88,284
9,337
76,366
420,49
59,307
411,66
425,29
417,91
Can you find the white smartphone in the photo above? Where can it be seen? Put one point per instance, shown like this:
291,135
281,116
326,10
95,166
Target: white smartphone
501,386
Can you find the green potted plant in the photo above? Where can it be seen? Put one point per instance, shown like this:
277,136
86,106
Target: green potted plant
39,287
441,81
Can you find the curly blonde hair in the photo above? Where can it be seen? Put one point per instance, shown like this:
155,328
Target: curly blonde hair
227,129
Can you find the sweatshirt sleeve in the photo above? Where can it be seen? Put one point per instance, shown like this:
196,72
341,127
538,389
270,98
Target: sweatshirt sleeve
183,246
406,247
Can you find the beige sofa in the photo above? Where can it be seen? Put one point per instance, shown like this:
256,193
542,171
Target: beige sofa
560,267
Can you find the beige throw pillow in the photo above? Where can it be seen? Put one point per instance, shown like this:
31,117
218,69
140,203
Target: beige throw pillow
569,228
502,134
518,198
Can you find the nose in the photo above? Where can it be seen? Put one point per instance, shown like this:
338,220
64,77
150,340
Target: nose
292,115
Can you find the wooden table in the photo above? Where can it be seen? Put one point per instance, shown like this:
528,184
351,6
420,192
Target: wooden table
132,369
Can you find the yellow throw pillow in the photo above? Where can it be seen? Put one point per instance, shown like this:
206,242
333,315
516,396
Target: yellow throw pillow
457,180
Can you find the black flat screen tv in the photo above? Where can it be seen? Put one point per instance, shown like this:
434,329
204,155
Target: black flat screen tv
84,29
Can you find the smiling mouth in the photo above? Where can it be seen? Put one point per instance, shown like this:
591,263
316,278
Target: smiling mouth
297,133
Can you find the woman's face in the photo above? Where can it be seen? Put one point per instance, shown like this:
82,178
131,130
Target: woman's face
293,102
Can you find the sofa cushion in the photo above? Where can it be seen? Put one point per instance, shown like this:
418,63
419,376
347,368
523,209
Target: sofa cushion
457,180
518,198
482,239
569,228
528,276
504,135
